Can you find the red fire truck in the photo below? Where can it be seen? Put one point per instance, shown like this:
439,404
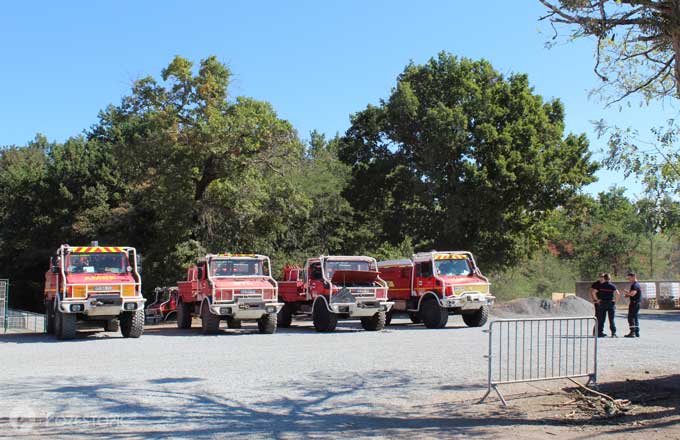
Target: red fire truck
333,287
164,305
95,283
431,285
233,287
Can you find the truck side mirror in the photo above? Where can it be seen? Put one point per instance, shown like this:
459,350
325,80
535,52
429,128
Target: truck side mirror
139,263
55,269
199,273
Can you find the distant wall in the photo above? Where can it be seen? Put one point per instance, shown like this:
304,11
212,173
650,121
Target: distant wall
663,291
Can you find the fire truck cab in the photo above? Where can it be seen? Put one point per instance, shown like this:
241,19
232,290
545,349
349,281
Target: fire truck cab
432,285
333,287
233,287
95,283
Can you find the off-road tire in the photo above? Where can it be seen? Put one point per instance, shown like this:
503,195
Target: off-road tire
432,314
375,322
233,323
388,317
210,323
285,316
65,325
415,318
112,325
324,320
267,324
478,318
49,316
184,314
132,324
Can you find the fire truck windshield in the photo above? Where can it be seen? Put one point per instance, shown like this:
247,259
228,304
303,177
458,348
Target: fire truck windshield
116,262
332,266
235,268
453,268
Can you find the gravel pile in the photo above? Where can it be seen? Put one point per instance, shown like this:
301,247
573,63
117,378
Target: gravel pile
541,307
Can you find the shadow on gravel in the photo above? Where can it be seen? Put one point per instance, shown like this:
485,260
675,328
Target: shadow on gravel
44,338
410,326
350,406
668,316
344,406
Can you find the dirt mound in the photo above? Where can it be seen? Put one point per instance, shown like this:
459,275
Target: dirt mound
542,307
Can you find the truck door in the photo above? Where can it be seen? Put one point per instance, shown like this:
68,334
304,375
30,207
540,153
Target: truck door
315,280
424,279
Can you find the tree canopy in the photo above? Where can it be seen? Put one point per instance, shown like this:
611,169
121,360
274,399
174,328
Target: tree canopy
637,42
461,157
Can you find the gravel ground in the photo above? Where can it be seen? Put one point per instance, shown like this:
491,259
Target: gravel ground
403,382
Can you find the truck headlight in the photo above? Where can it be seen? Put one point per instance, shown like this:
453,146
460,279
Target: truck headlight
77,307
271,309
130,306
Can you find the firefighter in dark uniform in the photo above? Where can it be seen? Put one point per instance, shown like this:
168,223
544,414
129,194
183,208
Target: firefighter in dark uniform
634,294
604,295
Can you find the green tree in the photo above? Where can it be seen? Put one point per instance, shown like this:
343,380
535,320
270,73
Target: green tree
637,47
50,194
460,156
202,168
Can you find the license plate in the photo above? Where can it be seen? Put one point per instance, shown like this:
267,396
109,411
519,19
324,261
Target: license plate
102,288
247,291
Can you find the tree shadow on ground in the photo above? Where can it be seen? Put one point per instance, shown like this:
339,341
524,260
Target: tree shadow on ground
323,406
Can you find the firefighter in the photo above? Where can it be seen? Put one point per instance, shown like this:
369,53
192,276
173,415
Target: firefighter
604,295
634,295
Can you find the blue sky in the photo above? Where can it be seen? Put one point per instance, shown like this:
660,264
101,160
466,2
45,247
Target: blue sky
316,62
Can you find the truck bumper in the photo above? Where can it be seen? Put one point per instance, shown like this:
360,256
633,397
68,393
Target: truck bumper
467,301
102,306
360,309
246,311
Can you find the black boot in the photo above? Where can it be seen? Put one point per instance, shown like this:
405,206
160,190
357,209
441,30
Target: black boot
630,335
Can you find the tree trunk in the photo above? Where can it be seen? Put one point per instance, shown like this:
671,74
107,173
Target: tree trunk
651,257
207,177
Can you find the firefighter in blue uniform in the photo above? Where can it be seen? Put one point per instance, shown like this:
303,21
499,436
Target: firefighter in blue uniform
604,295
634,294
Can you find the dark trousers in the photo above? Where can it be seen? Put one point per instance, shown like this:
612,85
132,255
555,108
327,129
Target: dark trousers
633,321
606,309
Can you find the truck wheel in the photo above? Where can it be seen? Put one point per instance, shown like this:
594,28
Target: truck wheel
65,327
478,318
432,314
324,321
233,323
49,314
285,316
388,317
184,315
267,323
415,318
210,323
112,325
132,324
375,322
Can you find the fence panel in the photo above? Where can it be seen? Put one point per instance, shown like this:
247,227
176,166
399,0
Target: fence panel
4,295
20,321
529,350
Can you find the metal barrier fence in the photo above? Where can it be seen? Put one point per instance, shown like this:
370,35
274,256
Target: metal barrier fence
530,350
21,321
4,288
